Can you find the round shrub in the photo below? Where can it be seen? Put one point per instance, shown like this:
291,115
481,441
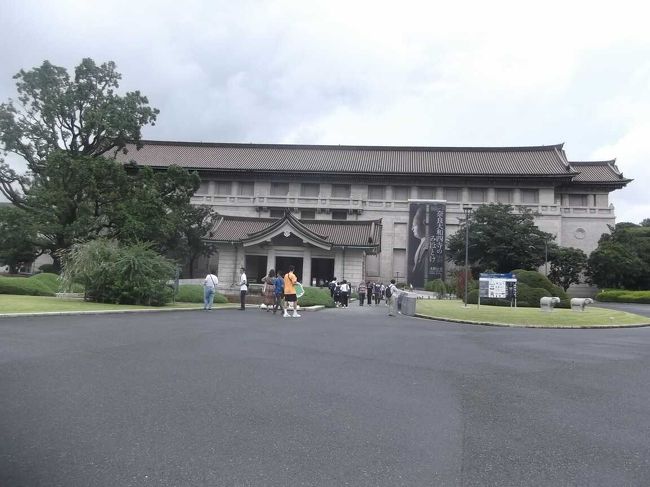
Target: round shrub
436,286
316,296
193,293
49,281
111,273
48,269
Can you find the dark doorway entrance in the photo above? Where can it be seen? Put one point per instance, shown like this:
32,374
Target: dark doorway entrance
255,268
282,264
322,270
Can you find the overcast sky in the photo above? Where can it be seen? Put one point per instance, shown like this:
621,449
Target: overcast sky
484,73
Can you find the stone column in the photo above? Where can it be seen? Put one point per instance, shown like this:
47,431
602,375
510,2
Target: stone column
270,259
306,266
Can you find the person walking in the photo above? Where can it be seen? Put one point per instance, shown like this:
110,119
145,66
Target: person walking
376,290
362,290
278,291
243,289
345,293
290,297
268,291
392,293
209,288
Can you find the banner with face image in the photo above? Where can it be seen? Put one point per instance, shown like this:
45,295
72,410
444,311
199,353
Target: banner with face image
426,242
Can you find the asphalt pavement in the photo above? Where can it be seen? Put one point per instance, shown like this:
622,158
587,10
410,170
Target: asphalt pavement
336,397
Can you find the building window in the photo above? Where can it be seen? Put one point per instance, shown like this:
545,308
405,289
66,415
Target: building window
530,196
426,193
246,189
477,195
340,190
279,189
504,196
452,194
277,212
558,198
401,192
339,215
376,192
577,200
223,187
308,214
204,188
309,189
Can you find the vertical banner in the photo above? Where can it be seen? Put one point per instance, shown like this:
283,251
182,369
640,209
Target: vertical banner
426,242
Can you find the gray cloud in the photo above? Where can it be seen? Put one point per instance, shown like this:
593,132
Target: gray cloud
364,72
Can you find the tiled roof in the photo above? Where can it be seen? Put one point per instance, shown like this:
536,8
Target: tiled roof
598,172
527,161
364,233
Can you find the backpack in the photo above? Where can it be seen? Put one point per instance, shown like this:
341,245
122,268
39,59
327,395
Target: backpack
388,292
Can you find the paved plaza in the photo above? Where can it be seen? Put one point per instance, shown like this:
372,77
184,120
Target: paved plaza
336,397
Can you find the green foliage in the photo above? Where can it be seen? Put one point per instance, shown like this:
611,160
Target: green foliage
82,115
17,238
48,269
436,286
315,296
567,265
111,273
622,259
623,296
193,293
500,239
535,279
39,285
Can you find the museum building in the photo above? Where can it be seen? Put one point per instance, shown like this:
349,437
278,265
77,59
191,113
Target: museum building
344,210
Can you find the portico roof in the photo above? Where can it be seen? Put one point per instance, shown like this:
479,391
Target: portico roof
600,172
325,234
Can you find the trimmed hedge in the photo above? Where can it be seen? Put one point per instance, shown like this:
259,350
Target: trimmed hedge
193,293
38,285
316,296
623,296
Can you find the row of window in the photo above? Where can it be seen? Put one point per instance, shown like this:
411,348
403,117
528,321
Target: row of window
376,192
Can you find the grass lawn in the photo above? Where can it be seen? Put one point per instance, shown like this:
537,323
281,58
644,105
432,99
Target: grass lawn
10,303
533,317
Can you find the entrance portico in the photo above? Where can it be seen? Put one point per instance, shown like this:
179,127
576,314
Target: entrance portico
319,250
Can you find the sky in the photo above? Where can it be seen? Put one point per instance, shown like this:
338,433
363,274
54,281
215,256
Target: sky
416,73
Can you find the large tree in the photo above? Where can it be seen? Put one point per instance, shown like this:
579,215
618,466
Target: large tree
68,130
501,238
622,259
81,115
567,266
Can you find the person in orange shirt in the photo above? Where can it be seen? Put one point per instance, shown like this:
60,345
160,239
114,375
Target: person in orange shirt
290,292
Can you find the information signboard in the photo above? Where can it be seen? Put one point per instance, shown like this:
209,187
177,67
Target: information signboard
501,286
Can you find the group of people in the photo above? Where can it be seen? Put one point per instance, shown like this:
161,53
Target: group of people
367,291
277,288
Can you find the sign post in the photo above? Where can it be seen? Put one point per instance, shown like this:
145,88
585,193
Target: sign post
500,286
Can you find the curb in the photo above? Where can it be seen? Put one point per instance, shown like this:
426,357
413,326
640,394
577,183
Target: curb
125,311
104,312
545,327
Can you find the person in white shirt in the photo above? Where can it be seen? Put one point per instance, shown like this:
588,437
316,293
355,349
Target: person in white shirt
209,288
345,293
243,288
392,299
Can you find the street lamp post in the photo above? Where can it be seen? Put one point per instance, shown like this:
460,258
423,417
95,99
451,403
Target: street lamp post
468,211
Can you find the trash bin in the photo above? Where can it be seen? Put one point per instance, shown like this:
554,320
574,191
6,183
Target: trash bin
408,304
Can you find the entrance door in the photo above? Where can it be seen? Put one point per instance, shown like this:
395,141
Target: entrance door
282,265
256,268
322,270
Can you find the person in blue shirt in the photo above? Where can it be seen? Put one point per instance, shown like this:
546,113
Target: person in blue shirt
279,291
